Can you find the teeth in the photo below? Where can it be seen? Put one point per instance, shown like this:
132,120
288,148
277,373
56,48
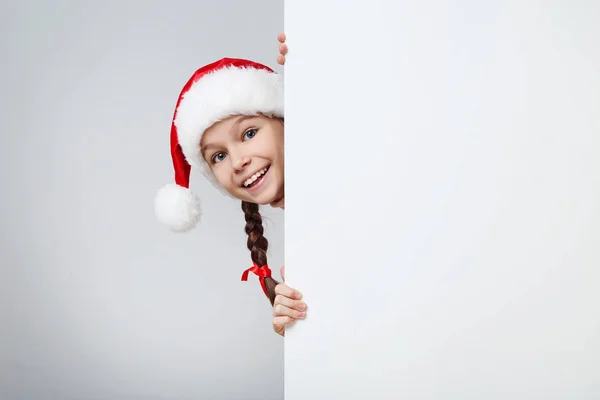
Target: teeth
254,177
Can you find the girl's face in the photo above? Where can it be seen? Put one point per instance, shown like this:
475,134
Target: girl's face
246,155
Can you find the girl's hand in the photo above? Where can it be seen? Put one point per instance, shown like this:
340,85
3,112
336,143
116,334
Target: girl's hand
288,307
283,49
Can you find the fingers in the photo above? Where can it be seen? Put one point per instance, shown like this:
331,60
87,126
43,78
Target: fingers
286,291
283,49
287,307
288,303
280,323
292,308
280,310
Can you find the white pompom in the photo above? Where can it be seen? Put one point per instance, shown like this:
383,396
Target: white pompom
177,207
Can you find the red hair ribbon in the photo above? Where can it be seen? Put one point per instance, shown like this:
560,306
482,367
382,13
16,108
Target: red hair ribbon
262,273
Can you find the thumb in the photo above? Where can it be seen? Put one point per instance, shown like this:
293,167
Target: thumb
282,272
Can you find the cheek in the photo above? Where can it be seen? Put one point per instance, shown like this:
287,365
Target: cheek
279,152
272,147
221,175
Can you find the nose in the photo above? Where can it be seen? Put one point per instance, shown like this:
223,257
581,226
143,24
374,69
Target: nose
240,162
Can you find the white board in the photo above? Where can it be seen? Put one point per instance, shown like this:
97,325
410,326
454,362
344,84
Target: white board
443,199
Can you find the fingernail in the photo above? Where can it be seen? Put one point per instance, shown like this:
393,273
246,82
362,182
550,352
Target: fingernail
303,306
298,295
302,315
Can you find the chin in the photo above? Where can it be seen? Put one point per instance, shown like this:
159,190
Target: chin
265,198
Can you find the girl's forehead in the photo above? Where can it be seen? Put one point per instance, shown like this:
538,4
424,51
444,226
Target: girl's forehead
217,129
224,128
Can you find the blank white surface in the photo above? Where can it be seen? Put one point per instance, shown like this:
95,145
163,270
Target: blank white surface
443,199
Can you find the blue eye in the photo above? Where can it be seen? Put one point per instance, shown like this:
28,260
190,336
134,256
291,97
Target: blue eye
217,158
249,134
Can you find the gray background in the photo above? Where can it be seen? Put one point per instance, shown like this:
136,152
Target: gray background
98,301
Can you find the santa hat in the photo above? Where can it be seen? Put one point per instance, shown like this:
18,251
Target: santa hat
214,92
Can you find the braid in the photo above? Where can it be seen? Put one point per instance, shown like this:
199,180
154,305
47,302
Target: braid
257,243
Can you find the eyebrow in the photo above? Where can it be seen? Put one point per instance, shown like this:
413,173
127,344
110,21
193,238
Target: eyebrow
206,148
242,119
235,125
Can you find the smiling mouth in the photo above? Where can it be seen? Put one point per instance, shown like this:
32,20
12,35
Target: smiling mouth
256,178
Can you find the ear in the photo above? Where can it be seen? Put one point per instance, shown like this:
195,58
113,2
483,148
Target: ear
282,272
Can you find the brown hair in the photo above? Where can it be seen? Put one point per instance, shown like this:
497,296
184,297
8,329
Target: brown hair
257,243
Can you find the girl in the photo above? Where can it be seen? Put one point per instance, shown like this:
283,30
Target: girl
228,123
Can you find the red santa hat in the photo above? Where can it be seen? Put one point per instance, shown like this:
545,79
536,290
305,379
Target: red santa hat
214,92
